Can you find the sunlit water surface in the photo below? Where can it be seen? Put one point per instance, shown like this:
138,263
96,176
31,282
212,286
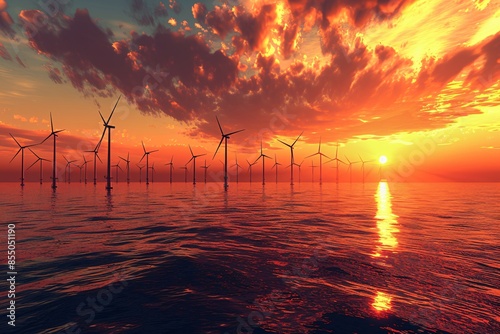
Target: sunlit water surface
374,258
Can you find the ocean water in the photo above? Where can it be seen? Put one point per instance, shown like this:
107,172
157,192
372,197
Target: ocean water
373,258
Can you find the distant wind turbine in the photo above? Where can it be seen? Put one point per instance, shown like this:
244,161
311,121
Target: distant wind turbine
153,171
224,138
41,164
193,157
291,156
140,172
146,154
298,165
363,162
117,166
250,169
312,168
171,164
96,156
349,168
85,162
337,160
206,168
185,173
108,127
21,149
263,156
127,161
321,155
68,169
54,134
276,164
237,169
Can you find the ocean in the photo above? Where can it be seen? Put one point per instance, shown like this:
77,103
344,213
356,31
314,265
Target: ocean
177,258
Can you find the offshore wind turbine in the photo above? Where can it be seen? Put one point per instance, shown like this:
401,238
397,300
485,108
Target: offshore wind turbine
237,168
349,168
68,169
312,168
185,173
298,165
108,127
321,155
153,170
96,156
54,134
276,164
250,169
291,156
363,162
146,154
117,166
224,138
171,164
21,149
85,162
337,160
193,157
263,156
127,161
81,169
140,172
41,164
206,168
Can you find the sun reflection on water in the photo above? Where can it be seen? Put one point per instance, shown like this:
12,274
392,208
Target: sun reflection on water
382,301
386,220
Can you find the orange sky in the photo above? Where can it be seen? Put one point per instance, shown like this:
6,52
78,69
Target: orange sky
417,81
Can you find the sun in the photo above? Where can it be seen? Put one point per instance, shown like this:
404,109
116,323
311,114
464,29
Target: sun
382,159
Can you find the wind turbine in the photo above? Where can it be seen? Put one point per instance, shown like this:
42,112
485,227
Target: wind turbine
140,172
85,162
250,169
153,170
337,160
237,168
263,156
363,162
350,163
41,163
127,161
224,138
206,168
276,164
298,165
321,155
96,156
171,164
146,154
312,167
21,149
81,168
185,173
291,157
117,166
68,168
108,127
193,157
53,133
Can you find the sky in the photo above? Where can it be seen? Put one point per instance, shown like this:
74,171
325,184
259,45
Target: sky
415,81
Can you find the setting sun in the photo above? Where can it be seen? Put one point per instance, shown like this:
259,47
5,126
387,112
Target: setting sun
382,159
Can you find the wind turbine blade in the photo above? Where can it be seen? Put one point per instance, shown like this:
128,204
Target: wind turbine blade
153,151
65,159
103,120
217,150
15,155
190,160
112,112
51,124
312,155
122,158
128,157
232,133
43,141
97,155
15,140
102,137
143,147
349,161
34,153
220,127
199,155
191,150
284,143
34,163
297,138
141,158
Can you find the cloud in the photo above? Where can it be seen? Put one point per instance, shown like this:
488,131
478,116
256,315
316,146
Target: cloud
20,118
4,53
190,79
6,21
143,15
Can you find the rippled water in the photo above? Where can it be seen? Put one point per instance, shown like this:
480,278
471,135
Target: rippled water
378,258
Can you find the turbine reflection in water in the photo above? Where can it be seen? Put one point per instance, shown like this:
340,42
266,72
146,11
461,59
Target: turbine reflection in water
387,228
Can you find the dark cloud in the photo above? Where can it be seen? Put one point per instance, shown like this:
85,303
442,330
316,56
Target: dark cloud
221,20
4,53
175,6
199,11
6,21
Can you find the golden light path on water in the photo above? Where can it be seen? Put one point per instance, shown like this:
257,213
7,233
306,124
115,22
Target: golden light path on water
387,229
